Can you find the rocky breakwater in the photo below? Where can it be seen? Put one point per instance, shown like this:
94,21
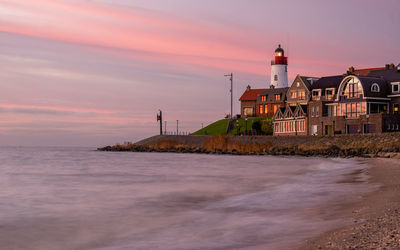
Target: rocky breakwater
372,145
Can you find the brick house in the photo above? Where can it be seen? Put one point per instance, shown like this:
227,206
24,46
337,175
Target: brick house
361,101
293,119
248,102
270,100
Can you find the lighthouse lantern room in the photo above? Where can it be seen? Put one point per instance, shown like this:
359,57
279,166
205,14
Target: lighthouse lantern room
279,76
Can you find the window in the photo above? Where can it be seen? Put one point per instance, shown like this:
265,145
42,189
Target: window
316,94
275,78
293,94
277,97
329,93
248,111
395,87
375,87
275,108
298,84
317,111
263,98
395,108
352,89
261,109
302,95
312,112
265,109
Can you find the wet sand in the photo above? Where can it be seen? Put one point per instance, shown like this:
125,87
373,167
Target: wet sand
374,222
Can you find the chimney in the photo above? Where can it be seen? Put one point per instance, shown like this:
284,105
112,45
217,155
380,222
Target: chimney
248,88
387,66
271,86
351,69
398,67
391,66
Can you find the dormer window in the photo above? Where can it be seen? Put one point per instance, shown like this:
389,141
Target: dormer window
316,94
277,97
375,87
263,98
329,93
395,87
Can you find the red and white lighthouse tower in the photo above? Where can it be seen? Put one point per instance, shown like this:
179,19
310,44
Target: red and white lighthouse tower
279,76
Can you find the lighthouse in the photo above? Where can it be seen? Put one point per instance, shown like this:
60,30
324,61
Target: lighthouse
279,76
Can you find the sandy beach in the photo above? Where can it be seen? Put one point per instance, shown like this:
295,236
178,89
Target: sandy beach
374,222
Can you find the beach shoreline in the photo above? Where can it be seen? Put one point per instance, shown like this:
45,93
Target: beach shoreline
374,220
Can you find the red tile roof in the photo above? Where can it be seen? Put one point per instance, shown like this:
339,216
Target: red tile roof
251,95
365,72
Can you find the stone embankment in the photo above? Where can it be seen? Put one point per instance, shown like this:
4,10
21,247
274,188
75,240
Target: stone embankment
372,145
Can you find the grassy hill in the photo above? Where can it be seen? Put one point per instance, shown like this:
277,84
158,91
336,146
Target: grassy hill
219,127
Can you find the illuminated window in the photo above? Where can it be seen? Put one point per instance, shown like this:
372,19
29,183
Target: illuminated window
316,94
277,97
275,108
293,94
265,108
395,108
329,93
302,95
261,109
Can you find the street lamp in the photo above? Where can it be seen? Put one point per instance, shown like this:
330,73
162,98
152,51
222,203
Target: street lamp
246,126
237,127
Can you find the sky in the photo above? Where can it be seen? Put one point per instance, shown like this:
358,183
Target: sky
96,72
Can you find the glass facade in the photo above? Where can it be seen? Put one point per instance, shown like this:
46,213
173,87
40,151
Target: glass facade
352,89
351,109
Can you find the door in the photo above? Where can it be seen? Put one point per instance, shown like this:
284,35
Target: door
329,129
352,129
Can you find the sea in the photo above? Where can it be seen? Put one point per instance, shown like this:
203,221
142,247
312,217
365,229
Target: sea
80,198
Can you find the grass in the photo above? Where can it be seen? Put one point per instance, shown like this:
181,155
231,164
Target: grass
219,127
216,128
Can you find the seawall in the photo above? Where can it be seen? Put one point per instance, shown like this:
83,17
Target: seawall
372,145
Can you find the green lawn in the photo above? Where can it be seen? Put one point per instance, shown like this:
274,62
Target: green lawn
216,128
219,127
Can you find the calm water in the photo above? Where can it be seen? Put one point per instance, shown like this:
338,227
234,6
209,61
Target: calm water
82,199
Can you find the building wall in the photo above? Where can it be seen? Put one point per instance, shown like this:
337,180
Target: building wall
271,107
340,123
280,71
292,133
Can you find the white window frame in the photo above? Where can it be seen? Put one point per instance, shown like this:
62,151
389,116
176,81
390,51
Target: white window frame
398,87
333,93
375,88
318,96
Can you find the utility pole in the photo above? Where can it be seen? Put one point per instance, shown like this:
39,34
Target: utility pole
159,118
177,127
231,79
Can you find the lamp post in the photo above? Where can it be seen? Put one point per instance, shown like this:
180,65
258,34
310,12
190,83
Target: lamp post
237,126
367,127
177,127
246,126
231,79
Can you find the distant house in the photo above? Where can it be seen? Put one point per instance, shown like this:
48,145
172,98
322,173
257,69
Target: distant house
248,102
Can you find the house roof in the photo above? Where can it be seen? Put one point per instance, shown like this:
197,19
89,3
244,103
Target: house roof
367,83
365,72
250,94
328,82
391,75
307,80
271,92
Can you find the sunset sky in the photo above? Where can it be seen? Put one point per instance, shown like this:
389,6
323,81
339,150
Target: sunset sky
95,72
